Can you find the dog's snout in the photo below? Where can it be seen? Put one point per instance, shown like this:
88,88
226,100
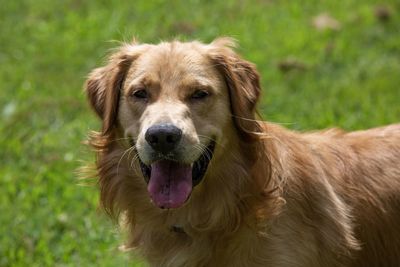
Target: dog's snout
163,137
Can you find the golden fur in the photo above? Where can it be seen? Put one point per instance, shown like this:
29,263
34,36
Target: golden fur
270,197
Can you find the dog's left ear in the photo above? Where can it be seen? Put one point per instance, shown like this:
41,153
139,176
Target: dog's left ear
104,84
243,82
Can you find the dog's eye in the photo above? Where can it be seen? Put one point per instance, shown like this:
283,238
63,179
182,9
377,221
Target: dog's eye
141,94
199,94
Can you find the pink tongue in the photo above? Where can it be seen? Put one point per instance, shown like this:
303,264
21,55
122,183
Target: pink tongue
170,183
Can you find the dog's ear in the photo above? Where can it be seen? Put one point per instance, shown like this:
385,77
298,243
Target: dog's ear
243,82
104,84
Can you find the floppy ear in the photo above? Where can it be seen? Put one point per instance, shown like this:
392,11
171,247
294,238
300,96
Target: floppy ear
104,84
243,82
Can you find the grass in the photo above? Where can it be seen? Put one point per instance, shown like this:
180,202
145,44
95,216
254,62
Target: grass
347,78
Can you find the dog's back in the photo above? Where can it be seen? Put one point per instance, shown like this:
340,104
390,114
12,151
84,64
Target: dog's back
375,196
363,168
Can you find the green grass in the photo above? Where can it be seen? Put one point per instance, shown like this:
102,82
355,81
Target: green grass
351,80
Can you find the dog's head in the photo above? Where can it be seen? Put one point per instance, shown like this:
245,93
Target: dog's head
179,105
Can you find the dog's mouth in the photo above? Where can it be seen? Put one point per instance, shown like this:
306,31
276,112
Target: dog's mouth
170,182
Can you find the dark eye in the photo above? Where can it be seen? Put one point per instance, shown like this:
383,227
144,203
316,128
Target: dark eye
199,94
141,94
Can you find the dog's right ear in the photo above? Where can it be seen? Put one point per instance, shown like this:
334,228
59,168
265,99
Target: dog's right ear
104,84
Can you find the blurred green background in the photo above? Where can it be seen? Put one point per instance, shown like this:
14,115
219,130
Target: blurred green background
323,64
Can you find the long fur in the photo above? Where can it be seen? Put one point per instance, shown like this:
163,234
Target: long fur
277,198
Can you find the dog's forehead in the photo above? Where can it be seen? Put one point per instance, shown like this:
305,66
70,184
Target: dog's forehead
175,61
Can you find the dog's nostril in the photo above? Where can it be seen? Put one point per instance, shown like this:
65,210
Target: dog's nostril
152,139
171,138
163,137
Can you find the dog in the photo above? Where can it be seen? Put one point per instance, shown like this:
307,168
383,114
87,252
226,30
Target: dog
197,180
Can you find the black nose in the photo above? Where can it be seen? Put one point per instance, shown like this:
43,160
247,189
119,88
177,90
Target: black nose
163,137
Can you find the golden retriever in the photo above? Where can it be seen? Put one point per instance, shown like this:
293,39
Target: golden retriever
199,181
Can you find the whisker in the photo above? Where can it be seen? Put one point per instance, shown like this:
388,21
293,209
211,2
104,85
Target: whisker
134,167
209,138
135,157
129,156
119,161
262,121
204,150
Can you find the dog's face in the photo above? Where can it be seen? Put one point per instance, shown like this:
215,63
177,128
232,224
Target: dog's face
174,103
173,107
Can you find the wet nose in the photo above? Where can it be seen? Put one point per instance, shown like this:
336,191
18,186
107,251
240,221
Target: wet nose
163,137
